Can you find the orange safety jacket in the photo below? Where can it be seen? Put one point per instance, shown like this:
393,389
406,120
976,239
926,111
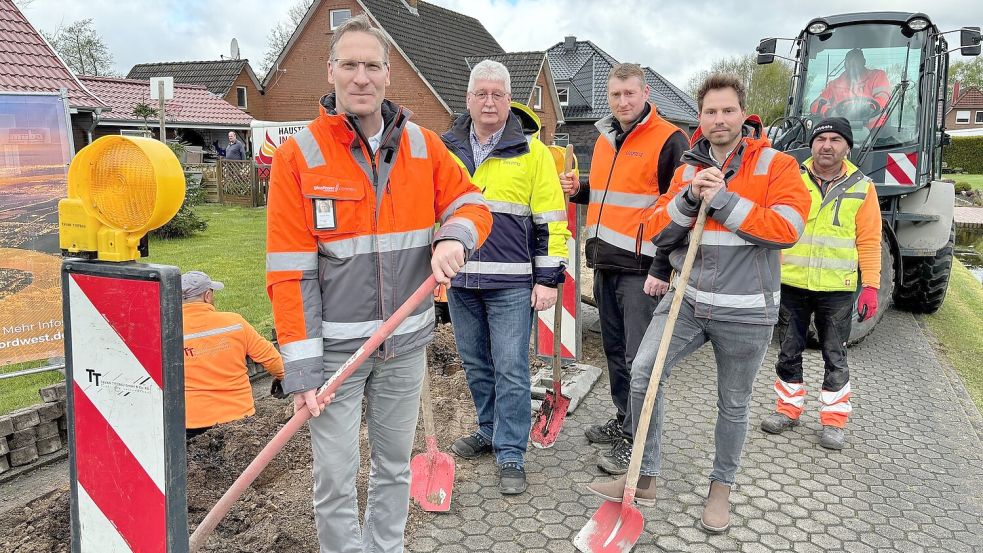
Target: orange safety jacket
350,232
216,380
624,186
736,274
872,84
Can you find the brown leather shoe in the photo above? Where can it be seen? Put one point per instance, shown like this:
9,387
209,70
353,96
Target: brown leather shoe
614,490
716,511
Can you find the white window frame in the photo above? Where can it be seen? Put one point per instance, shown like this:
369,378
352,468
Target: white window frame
566,94
537,97
136,132
979,117
962,117
331,18
245,97
561,139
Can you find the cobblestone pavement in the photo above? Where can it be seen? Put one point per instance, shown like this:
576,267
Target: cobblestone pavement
910,479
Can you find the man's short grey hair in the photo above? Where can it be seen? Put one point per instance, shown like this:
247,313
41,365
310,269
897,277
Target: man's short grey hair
490,70
360,24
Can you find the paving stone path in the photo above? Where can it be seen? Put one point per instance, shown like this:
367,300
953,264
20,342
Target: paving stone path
910,479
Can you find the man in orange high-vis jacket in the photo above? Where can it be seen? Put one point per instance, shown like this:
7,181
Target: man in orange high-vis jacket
857,88
216,344
353,200
632,164
756,206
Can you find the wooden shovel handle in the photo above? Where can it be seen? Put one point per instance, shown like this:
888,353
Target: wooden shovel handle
426,406
641,433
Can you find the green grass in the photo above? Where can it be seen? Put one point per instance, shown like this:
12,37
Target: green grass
232,251
975,181
957,325
23,390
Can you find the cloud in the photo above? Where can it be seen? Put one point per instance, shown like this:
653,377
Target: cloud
676,38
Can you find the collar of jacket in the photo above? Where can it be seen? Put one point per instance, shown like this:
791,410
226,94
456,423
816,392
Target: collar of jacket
393,115
610,128
699,153
195,306
512,144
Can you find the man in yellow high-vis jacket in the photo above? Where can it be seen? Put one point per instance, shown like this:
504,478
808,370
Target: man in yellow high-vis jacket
819,277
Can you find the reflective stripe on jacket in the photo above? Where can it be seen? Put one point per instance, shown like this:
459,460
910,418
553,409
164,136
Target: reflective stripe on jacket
528,240
349,235
735,276
624,186
216,379
826,258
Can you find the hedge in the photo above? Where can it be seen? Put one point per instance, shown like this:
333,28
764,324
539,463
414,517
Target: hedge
967,153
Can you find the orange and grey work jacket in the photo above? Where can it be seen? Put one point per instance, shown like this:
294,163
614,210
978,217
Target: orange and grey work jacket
349,235
629,169
736,274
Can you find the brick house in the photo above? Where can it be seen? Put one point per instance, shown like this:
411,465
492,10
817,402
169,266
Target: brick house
580,69
966,112
430,61
232,80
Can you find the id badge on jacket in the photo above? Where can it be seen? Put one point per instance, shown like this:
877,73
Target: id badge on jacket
324,214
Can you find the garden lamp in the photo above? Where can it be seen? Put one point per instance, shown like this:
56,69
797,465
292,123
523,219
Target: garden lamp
119,189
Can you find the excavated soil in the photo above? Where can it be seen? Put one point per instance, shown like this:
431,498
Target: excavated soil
275,513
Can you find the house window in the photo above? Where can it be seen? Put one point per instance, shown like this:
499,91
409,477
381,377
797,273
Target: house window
561,139
979,117
241,97
537,97
338,18
962,117
564,95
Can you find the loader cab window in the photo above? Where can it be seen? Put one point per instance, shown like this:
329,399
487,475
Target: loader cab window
869,75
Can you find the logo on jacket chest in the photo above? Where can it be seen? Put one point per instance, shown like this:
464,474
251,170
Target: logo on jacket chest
633,153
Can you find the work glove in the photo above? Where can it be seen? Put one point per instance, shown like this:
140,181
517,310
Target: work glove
867,303
276,389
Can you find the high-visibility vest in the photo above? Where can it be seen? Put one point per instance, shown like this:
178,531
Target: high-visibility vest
825,259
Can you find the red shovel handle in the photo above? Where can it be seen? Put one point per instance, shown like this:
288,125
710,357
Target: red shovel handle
218,512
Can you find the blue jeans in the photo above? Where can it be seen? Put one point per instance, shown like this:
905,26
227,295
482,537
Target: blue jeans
738,348
492,329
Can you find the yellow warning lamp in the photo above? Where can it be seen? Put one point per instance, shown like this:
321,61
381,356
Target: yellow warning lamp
561,158
119,189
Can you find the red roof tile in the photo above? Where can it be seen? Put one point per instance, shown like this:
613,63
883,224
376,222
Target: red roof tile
191,104
28,64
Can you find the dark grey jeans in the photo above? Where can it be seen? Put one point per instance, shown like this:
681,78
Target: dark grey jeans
625,310
738,348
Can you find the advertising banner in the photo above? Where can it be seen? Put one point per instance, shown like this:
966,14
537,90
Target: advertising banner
35,151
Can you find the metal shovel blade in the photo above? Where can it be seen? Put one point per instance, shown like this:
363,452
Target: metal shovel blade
550,418
614,528
432,478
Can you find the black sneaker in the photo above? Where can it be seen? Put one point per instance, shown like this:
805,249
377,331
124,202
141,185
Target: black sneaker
471,447
513,479
607,433
616,460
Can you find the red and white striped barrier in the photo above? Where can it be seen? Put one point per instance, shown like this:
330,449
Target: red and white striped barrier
123,352
901,168
570,341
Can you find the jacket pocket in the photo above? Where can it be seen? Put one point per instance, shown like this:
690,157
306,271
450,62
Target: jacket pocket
335,205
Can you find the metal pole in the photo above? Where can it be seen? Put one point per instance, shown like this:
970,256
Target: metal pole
26,372
160,95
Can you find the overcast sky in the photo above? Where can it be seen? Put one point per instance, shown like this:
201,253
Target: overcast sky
675,37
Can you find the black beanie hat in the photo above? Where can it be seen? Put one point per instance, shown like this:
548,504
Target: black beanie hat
839,125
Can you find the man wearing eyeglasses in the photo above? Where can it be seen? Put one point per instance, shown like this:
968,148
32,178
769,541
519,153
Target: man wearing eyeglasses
354,198
515,272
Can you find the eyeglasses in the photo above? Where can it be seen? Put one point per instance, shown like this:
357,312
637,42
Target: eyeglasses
482,96
351,66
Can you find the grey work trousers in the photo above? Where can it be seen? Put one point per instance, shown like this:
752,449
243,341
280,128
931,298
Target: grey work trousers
392,389
738,349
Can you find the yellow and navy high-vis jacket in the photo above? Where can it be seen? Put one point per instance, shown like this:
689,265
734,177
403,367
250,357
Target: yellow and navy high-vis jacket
528,241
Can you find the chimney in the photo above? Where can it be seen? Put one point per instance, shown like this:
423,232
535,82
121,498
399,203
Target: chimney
955,92
411,3
570,43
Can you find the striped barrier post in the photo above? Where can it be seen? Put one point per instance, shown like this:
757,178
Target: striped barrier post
570,335
125,377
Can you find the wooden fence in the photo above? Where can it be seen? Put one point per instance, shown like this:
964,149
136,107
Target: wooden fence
232,182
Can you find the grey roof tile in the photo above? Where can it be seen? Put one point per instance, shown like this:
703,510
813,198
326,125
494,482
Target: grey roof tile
215,75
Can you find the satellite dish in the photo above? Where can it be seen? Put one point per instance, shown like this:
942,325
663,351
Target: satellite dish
234,49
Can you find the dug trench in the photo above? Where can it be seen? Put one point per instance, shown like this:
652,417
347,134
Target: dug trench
275,513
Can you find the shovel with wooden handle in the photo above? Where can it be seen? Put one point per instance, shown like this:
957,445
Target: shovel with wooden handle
615,527
281,438
552,413
432,472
